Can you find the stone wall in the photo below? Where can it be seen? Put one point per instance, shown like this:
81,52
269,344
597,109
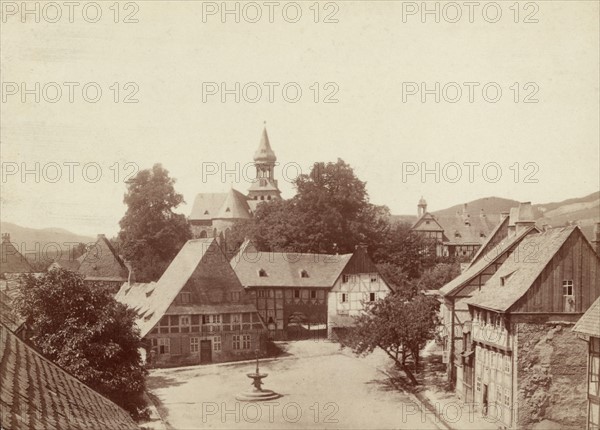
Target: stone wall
551,375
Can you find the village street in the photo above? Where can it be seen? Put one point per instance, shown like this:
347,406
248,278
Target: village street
322,387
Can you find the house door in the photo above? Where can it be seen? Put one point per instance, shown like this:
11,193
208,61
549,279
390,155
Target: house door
485,400
205,351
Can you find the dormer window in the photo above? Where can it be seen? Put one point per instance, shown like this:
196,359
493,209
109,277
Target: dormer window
185,296
227,210
481,235
304,274
206,212
262,273
456,234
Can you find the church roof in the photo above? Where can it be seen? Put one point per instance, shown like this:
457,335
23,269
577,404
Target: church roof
208,206
234,206
264,152
36,394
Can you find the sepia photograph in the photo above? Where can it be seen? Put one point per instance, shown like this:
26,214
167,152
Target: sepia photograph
310,214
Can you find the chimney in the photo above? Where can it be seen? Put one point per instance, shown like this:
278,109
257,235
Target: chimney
524,218
596,241
5,237
503,215
464,211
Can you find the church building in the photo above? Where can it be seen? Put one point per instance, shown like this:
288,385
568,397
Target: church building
213,214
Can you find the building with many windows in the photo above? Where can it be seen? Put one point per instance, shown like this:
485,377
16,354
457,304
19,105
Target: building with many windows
526,363
302,294
197,312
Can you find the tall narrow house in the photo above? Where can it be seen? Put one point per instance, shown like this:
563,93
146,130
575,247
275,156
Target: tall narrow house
526,363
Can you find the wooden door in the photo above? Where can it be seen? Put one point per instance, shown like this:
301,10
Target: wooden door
205,351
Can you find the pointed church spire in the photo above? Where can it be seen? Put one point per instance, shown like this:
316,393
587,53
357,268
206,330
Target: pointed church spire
264,153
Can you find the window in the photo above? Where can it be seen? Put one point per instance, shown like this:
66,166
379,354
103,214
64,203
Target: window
371,297
217,343
236,344
296,294
246,342
184,320
194,344
304,274
594,386
506,397
499,394
185,296
236,321
235,296
343,297
374,277
479,383
345,279
313,294
164,346
507,364
262,273
568,288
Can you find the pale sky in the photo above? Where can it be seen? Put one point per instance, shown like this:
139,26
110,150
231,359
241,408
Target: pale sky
369,55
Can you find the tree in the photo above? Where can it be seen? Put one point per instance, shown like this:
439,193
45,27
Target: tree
405,249
439,275
330,213
151,233
83,329
399,326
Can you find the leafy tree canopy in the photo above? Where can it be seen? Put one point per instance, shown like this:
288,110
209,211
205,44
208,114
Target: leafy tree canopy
330,213
151,233
398,325
83,329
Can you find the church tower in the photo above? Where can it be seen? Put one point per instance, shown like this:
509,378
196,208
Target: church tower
264,186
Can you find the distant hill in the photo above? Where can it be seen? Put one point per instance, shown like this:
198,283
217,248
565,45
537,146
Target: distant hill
42,243
490,205
583,211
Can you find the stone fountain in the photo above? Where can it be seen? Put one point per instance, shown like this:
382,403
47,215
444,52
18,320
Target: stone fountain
257,394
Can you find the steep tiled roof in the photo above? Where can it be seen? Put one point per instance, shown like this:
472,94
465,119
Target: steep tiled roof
12,261
483,263
207,205
151,301
36,394
519,272
102,262
458,232
281,269
494,236
589,323
230,205
235,206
